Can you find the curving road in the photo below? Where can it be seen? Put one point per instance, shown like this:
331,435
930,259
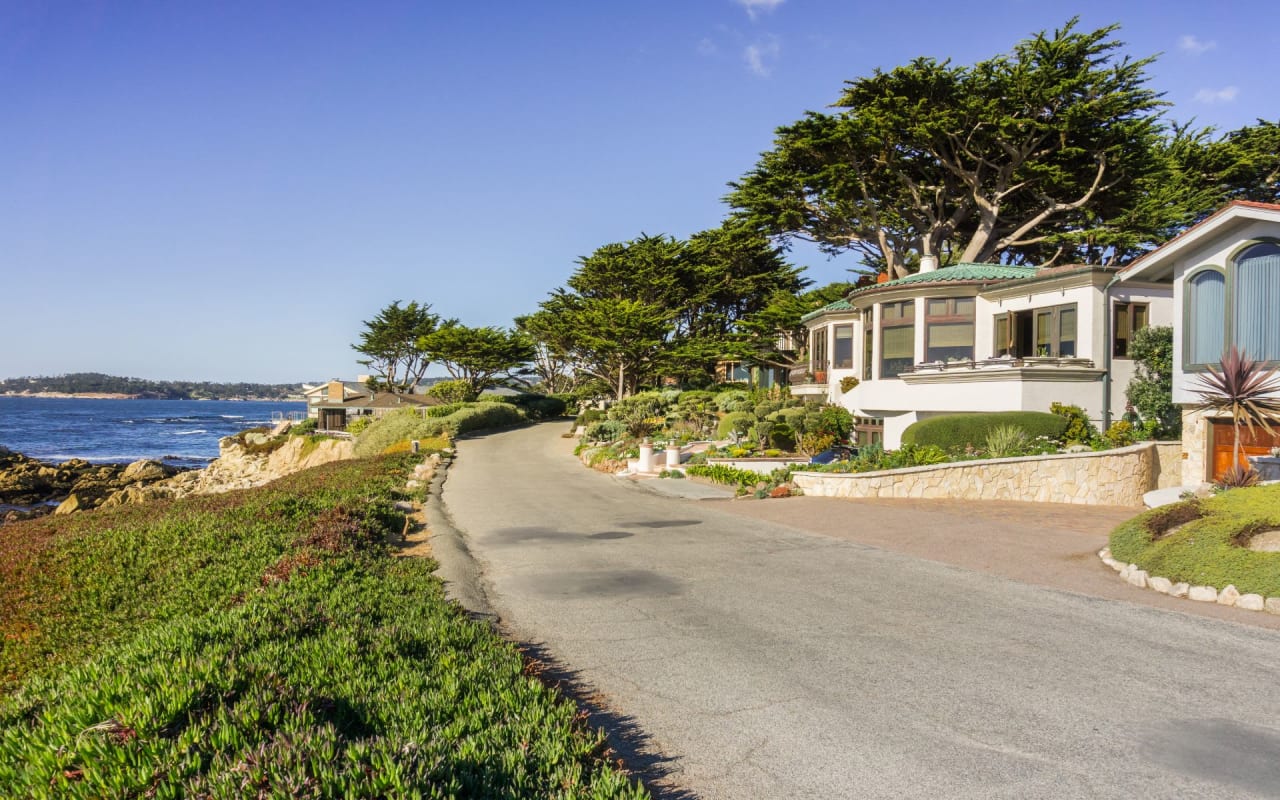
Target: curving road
763,662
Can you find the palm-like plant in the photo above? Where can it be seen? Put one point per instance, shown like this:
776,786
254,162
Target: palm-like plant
1249,394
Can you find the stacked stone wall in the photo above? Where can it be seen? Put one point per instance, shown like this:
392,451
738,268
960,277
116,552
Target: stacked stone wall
1112,477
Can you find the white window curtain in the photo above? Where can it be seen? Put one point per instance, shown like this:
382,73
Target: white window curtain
1257,302
1206,302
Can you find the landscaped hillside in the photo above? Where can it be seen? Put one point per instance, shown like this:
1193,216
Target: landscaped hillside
97,383
265,643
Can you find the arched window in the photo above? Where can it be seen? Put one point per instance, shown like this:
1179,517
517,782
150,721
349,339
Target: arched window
1206,317
1257,301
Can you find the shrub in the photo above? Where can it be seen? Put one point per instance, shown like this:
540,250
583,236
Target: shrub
483,416
1120,434
736,422
540,406
609,430
1151,390
734,400
813,442
763,410
452,391
356,426
848,383
955,432
1006,441
640,414
782,437
1079,429
790,416
409,424
440,411
303,428
590,415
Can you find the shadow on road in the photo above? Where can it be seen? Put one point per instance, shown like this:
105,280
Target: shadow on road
627,743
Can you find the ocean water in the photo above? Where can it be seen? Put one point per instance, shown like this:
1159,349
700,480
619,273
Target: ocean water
179,432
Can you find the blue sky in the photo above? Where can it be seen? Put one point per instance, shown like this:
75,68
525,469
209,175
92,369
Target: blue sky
223,191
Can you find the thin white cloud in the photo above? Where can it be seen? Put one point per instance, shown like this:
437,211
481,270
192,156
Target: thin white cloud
756,7
706,47
1195,45
1226,94
761,57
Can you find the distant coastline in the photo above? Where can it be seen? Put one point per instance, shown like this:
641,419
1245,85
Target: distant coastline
141,396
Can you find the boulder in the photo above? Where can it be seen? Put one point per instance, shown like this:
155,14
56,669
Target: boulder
72,504
1272,605
1203,594
1228,596
1180,590
1161,585
1251,602
147,471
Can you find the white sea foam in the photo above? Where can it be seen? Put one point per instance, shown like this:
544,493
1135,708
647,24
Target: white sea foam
189,433
232,416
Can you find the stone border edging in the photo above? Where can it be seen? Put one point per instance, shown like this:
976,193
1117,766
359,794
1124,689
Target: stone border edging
1228,596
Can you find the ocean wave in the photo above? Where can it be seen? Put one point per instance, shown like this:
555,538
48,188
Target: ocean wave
232,416
190,433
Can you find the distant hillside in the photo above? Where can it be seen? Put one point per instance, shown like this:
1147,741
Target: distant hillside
95,383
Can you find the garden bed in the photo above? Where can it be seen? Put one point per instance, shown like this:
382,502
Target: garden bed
1205,542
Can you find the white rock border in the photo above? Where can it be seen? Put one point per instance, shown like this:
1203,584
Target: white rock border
1227,596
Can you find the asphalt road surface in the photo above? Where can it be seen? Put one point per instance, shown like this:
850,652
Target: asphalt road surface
758,661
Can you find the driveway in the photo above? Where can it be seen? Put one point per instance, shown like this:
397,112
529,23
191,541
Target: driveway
764,661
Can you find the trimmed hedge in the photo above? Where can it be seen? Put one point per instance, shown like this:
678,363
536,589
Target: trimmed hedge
740,421
1203,542
954,432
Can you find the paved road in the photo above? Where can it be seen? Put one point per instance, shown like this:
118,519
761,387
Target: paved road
764,662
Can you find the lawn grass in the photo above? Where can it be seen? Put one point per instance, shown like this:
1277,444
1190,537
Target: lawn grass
1201,542
268,644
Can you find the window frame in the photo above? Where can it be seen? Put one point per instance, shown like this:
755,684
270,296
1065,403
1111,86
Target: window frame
835,345
1055,329
951,318
897,322
1129,307
868,342
818,349
1227,286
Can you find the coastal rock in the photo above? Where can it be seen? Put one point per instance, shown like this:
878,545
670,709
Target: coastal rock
146,470
71,505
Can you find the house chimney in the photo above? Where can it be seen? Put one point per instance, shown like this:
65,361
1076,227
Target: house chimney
928,262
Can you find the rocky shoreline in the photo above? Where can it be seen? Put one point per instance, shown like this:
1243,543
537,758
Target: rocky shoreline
31,488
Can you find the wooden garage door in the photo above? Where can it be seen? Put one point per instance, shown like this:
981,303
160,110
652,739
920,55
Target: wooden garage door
1258,443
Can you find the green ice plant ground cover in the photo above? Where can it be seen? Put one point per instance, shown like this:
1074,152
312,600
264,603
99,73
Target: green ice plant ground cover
1204,542
319,665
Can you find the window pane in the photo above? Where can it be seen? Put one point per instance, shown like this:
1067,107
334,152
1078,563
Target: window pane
1067,332
868,349
1002,343
965,306
1139,317
843,356
951,341
1257,298
897,350
937,308
1206,299
1044,333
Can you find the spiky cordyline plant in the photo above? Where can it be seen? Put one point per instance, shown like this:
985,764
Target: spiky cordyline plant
1247,392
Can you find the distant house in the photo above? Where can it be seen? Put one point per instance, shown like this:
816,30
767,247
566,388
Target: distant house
1225,277
979,337
335,404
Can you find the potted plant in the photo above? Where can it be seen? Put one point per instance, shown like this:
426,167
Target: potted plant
820,376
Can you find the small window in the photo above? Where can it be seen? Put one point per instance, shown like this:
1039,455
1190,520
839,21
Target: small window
949,329
818,350
1206,317
897,338
1126,320
842,358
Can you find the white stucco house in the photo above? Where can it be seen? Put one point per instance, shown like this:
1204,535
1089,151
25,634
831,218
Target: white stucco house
980,337
1225,278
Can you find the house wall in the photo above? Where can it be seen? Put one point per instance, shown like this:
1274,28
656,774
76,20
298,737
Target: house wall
1114,477
1214,251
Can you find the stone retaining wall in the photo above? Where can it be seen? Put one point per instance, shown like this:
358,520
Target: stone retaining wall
1112,477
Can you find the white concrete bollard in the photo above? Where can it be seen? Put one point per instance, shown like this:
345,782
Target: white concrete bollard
646,457
673,456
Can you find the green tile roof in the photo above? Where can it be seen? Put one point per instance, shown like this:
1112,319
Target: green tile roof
968,272
839,305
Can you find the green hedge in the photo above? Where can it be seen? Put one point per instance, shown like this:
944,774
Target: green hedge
740,421
1208,549
953,432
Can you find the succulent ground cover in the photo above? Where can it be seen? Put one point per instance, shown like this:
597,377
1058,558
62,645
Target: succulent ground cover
1205,541
264,644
